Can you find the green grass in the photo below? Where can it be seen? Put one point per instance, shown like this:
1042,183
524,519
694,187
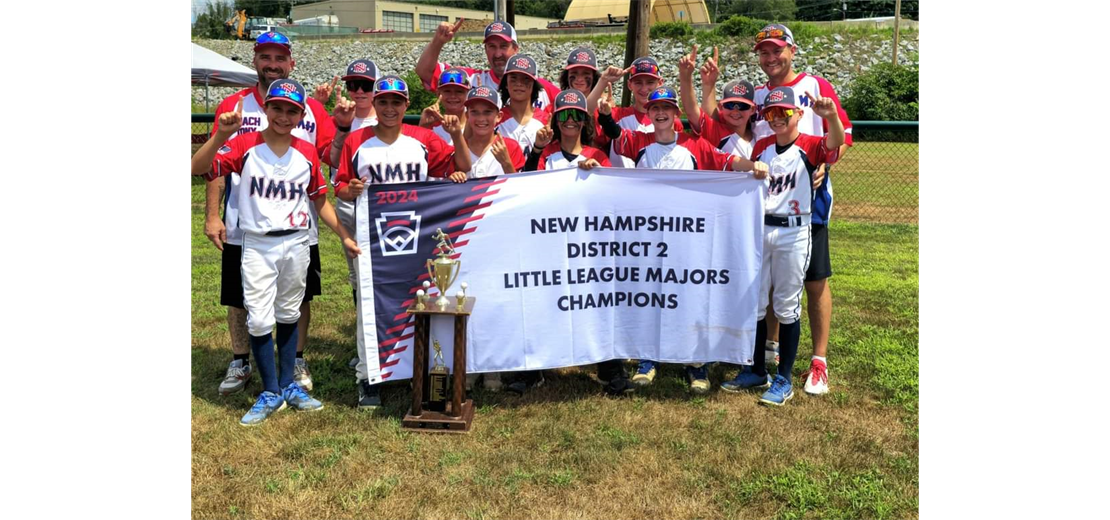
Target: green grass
567,450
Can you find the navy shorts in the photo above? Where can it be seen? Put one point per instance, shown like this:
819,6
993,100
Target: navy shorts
820,267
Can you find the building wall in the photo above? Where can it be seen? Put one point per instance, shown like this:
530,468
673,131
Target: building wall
692,11
367,14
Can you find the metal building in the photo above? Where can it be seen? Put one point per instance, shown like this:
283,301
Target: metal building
401,16
692,11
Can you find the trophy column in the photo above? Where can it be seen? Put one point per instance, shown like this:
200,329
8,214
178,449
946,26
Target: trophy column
460,411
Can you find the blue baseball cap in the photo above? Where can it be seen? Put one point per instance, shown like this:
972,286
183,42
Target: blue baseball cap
500,29
287,90
739,90
482,93
523,64
570,99
775,33
646,66
779,97
662,94
361,69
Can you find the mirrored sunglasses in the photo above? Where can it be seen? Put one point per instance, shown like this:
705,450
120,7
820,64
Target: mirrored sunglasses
736,105
391,85
573,115
453,78
774,113
773,33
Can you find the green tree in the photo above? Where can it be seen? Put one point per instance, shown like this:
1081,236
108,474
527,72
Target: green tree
777,10
884,93
265,8
210,23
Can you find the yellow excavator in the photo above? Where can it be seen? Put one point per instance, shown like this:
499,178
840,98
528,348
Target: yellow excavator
237,25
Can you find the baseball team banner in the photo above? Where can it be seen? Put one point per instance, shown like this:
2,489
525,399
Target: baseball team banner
569,267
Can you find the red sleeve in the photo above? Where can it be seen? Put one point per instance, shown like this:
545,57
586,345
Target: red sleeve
229,158
709,157
543,115
504,115
817,150
515,154
325,128
601,157
317,185
600,139
828,91
631,142
762,145
347,166
552,92
710,128
441,156
547,151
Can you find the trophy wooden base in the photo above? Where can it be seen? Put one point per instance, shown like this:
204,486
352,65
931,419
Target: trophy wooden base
441,422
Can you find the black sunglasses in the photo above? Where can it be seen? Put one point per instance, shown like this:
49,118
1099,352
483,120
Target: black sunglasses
358,84
736,105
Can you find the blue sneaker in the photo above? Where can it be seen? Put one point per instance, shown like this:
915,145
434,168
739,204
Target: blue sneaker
299,399
780,392
645,373
267,404
746,379
699,378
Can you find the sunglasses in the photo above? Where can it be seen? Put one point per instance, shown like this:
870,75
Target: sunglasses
274,37
773,33
736,105
774,113
360,84
392,85
453,78
573,115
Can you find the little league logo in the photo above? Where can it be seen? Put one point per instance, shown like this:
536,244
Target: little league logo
775,97
582,57
288,87
497,27
740,90
523,63
570,97
360,68
483,91
397,232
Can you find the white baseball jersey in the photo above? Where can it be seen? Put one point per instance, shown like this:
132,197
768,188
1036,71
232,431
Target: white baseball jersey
554,158
316,127
416,154
719,135
631,119
524,135
686,153
274,193
548,90
488,166
356,123
791,167
810,124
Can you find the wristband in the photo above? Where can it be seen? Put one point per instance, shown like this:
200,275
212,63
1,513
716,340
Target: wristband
343,128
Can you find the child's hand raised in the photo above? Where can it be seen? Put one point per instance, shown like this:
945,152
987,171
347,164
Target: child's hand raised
544,135
231,122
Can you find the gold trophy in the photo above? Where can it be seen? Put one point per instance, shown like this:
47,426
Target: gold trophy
437,395
443,269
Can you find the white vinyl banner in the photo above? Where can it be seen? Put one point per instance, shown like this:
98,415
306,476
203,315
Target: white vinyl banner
571,267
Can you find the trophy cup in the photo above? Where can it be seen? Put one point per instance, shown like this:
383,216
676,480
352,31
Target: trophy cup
443,269
437,376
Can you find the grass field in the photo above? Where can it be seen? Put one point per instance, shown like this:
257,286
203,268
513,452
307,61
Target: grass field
568,451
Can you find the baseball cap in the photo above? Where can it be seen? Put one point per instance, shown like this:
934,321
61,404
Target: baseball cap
645,66
454,76
779,97
663,94
482,93
739,90
391,85
273,39
361,69
286,90
775,33
522,63
582,57
500,29
570,99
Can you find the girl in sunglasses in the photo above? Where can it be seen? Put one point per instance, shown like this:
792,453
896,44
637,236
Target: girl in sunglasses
731,129
565,141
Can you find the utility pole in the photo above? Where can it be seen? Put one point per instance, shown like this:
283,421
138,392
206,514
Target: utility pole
636,38
897,18
510,12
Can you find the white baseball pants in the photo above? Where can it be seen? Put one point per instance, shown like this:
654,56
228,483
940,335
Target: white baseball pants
785,260
346,212
275,269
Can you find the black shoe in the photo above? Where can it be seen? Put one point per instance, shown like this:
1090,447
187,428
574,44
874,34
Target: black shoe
619,385
610,370
526,381
369,396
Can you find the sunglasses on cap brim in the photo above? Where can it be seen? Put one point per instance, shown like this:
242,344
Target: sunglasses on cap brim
454,78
